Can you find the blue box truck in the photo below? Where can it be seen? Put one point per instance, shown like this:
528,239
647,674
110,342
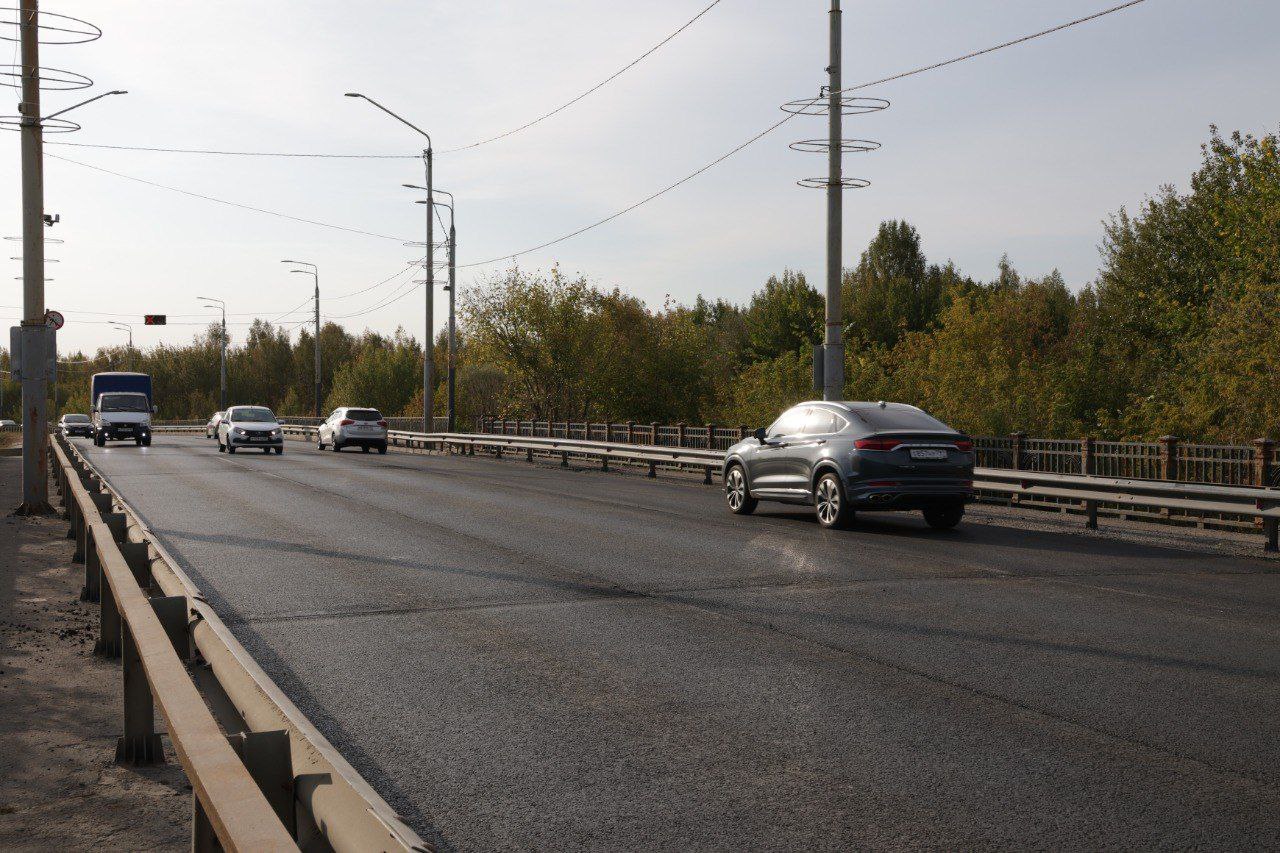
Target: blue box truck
121,407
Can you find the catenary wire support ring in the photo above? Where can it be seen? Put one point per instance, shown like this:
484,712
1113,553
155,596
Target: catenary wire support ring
847,146
850,105
59,29
48,125
843,183
51,79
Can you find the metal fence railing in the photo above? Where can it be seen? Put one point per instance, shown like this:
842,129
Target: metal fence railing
1168,459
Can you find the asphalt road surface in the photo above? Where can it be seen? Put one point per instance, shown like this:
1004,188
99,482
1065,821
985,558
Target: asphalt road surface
522,657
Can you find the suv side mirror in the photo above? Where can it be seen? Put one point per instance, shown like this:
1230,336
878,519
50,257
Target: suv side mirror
759,434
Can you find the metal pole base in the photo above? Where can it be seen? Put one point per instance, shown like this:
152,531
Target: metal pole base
141,750
33,508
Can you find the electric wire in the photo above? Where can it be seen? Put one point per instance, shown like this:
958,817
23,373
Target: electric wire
597,87
239,153
771,128
227,203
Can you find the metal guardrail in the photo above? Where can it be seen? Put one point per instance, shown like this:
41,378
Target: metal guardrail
1088,493
315,798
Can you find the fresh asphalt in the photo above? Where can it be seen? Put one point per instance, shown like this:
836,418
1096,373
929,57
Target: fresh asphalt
519,657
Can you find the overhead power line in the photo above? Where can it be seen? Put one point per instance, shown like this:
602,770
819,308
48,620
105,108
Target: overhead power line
656,195
223,201
771,128
597,87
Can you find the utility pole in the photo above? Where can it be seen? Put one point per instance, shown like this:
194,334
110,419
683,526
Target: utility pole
317,346
833,345
35,334
453,290
429,353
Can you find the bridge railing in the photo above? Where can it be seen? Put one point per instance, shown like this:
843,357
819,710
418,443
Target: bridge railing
1166,459
262,776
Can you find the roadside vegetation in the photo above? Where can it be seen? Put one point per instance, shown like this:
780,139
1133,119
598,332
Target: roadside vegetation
1178,334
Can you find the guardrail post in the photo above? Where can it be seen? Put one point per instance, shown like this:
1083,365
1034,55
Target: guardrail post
528,456
140,744
743,432
631,432
653,432
1168,457
711,439
604,461
171,610
138,556
268,758
1019,438
1271,530
1086,455
1091,515
1264,455
680,427
564,459
108,643
203,838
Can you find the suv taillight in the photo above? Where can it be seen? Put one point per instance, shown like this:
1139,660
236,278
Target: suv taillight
382,424
345,422
876,443
964,445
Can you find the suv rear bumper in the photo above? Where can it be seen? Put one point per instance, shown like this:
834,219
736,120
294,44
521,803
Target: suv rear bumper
362,441
907,495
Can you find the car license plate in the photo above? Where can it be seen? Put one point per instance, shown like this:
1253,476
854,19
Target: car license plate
928,453
257,438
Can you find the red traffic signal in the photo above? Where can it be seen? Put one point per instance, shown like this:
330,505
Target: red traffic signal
153,319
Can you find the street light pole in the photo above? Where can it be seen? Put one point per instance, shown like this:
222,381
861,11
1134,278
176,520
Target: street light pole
314,272
428,351
222,366
125,327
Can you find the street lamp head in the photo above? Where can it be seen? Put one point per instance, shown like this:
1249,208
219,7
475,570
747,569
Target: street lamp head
352,95
119,92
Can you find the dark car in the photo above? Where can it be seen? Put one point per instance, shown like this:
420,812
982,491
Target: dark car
76,425
846,457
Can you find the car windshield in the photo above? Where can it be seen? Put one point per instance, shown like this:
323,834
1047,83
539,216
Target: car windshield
76,419
898,417
364,414
123,403
252,415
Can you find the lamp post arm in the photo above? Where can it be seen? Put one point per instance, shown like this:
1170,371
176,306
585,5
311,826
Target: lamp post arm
82,103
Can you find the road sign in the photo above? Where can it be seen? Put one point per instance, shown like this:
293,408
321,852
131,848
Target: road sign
154,319
55,319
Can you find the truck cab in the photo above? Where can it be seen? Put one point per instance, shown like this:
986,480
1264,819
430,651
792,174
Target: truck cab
122,408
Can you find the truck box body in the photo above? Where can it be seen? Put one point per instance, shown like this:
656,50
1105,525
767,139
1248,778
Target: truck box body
120,381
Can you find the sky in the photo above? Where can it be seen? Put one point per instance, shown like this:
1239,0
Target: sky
1025,151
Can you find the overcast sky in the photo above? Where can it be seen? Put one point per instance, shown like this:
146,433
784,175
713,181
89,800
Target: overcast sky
1025,151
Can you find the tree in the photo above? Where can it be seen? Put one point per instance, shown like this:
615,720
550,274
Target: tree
892,290
785,316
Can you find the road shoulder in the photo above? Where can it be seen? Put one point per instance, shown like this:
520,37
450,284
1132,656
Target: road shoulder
60,710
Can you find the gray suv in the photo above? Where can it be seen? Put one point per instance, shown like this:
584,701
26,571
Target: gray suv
845,457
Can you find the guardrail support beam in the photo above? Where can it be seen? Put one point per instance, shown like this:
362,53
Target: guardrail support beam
171,610
92,589
108,643
268,758
138,556
140,744
1271,532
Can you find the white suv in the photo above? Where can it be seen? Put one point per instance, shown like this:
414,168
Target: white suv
353,427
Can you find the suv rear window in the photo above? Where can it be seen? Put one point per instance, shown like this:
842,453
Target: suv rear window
898,417
364,414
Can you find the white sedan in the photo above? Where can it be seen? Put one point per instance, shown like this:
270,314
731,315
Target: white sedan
250,426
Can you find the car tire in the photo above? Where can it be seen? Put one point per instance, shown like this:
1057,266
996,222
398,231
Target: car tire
231,448
279,451
364,448
221,447
266,451
830,505
944,517
319,444
337,448
736,495
382,448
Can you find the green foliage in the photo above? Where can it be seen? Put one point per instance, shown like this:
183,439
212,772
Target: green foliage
1178,334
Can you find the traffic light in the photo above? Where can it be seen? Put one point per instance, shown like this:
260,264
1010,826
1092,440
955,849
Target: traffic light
153,319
